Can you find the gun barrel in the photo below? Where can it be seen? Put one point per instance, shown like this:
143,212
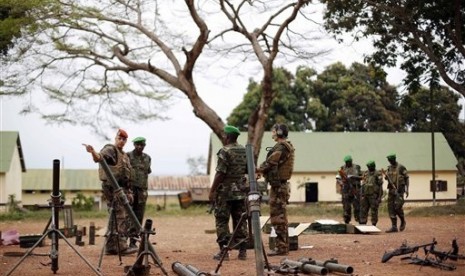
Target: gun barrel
333,266
181,269
306,267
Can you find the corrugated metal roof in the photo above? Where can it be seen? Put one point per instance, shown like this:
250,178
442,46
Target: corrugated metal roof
178,182
42,179
324,151
70,179
8,141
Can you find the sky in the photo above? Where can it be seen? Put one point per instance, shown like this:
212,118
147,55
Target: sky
170,143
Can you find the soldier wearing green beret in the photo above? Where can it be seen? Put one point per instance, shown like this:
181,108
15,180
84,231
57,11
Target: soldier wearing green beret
371,193
141,164
228,192
398,182
348,178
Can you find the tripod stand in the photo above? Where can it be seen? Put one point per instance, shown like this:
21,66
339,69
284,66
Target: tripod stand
53,231
141,265
229,246
112,232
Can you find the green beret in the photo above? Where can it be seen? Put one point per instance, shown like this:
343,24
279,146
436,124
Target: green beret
347,158
371,163
391,156
139,140
231,129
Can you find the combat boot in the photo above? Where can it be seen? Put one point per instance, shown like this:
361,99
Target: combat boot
403,223
393,227
242,254
218,255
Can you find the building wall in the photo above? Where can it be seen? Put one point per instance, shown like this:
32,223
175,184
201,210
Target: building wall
11,181
419,186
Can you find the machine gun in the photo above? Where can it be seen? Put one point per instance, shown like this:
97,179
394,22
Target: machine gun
404,250
443,256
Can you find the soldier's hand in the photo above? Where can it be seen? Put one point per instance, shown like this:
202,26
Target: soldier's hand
89,148
406,194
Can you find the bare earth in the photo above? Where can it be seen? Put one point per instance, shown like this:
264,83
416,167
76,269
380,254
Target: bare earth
185,240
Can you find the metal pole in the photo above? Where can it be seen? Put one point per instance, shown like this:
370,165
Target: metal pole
432,146
254,209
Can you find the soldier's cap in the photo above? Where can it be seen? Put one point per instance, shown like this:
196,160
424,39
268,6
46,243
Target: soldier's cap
121,132
231,130
371,163
347,158
391,156
140,140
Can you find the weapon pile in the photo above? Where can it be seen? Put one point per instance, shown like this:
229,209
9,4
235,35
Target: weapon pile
310,266
432,257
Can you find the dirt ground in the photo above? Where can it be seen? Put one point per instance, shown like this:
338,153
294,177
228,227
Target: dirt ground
189,240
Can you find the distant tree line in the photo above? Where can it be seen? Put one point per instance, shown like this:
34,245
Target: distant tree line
357,98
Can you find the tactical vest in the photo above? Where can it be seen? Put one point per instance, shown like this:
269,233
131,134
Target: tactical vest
286,162
396,176
122,170
141,168
371,186
234,183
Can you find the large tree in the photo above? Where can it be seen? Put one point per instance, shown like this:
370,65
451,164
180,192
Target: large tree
338,99
421,35
437,110
105,59
13,16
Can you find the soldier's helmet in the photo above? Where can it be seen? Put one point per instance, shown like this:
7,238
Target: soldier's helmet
281,130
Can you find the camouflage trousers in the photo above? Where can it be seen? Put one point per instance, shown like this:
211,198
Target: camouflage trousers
117,229
279,196
226,209
138,207
349,201
395,203
367,203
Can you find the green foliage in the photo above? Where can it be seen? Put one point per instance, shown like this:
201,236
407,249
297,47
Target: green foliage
423,36
82,203
15,16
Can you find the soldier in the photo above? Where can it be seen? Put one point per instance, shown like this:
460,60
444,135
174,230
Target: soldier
398,182
120,166
228,192
371,193
277,169
141,164
350,176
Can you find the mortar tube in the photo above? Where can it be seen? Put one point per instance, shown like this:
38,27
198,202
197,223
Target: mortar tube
181,270
305,267
195,270
333,266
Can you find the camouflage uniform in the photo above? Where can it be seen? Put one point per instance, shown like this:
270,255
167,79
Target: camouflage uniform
120,166
277,170
141,164
399,176
230,195
371,193
350,191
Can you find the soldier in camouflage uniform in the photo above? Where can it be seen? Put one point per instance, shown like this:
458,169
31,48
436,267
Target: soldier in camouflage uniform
371,193
120,166
277,169
228,192
349,177
398,182
141,164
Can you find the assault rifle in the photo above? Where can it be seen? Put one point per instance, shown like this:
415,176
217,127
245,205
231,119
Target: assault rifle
404,250
390,183
345,180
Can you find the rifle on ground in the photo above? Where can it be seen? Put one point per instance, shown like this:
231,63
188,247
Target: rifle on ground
443,256
430,262
404,250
